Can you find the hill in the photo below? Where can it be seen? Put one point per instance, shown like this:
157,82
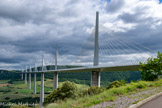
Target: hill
79,77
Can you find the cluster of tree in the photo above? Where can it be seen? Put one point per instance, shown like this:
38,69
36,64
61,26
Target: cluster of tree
8,75
79,77
152,69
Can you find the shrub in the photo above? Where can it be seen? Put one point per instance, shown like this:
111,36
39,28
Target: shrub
93,90
68,90
7,98
140,86
115,84
16,92
10,82
123,82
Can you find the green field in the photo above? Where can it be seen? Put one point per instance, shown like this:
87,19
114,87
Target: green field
17,91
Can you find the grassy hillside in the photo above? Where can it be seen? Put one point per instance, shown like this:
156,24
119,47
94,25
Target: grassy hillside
107,95
79,77
17,91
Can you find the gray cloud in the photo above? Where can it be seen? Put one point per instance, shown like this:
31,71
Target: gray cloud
30,28
114,6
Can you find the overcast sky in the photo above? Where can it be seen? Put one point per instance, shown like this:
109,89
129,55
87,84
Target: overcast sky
29,28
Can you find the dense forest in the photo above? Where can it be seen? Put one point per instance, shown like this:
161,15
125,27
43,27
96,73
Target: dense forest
9,75
79,77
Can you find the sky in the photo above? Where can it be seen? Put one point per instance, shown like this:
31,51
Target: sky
30,28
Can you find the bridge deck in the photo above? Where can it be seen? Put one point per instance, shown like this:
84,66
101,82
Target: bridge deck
95,68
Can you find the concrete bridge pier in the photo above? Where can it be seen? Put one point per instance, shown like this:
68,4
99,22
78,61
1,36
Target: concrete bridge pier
95,78
55,86
35,89
42,85
26,76
30,78
42,90
55,77
22,76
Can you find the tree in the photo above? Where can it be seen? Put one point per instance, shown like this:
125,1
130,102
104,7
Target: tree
68,90
153,69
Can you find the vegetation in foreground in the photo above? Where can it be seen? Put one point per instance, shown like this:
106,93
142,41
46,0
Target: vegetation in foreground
152,69
15,91
106,95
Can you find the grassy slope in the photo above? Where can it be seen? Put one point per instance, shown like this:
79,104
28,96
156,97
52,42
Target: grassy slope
108,95
20,90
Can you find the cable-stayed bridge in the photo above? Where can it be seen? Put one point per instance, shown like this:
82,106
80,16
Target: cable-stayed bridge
104,51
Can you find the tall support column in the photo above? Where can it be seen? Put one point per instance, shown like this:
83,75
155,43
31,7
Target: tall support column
35,80
95,76
30,77
22,74
26,75
42,90
55,78
42,85
35,89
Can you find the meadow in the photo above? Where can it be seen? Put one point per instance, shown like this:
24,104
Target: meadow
15,91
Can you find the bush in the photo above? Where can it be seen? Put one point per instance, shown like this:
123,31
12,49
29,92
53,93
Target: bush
7,98
68,90
116,84
123,82
16,92
92,90
141,85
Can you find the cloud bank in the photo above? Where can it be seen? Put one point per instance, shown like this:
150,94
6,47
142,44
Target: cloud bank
30,28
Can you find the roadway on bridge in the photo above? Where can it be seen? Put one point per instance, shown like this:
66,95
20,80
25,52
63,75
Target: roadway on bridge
155,103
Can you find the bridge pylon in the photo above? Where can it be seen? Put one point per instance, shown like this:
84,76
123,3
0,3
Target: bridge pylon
95,75
22,70
26,75
29,77
55,77
42,84
35,80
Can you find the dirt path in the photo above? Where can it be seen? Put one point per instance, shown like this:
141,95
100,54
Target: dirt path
2,85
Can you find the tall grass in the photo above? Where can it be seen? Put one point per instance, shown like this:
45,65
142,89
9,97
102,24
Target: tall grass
107,95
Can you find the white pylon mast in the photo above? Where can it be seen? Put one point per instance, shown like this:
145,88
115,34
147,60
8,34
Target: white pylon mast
56,58
96,57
